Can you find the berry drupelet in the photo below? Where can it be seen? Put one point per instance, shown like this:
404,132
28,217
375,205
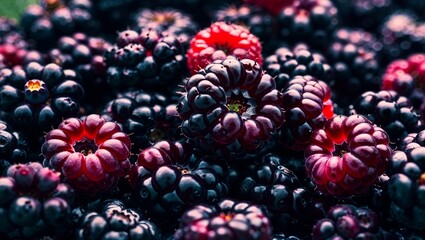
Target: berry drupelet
406,187
45,23
347,155
146,117
167,21
277,188
227,219
231,107
220,40
348,222
390,111
356,70
309,21
167,180
92,154
407,78
34,202
147,60
307,105
116,221
285,63
13,147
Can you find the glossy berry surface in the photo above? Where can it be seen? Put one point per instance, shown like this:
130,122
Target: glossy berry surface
220,40
231,107
227,219
91,154
347,155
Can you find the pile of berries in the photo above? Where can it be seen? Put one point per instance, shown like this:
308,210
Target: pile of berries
227,119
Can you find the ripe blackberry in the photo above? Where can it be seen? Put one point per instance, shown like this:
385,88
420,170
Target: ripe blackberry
146,117
272,6
347,155
307,104
277,188
227,219
13,147
369,13
45,23
167,180
309,21
84,54
285,63
390,111
356,70
167,21
358,37
40,95
220,40
401,35
92,154
147,60
116,221
406,185
407,78
347,222
259,22
34,202
231,107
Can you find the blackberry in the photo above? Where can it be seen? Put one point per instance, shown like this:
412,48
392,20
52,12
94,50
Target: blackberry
147,60
40,95
277,188
92,154
227,219
355,69
309,21
259,22
401,36
84,54
34,202
358,37
116,221
307,104
231,107
407,78
13,147
286,63
45,23
390,111
370,13
272,6
348,222
167,180
406,184
347,156
146,117
167,21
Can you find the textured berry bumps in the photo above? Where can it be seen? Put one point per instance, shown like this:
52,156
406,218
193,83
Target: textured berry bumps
347,155
91,154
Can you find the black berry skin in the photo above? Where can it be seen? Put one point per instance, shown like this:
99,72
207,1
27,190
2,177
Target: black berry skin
406,185
276,187
13,147
34,202
390,111
147,117
230,108
227,219
167,180
147,60
116,221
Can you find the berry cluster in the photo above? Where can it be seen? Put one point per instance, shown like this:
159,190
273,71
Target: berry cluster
223,119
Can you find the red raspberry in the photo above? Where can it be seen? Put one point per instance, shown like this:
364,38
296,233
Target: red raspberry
220,40
91,154
347,155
